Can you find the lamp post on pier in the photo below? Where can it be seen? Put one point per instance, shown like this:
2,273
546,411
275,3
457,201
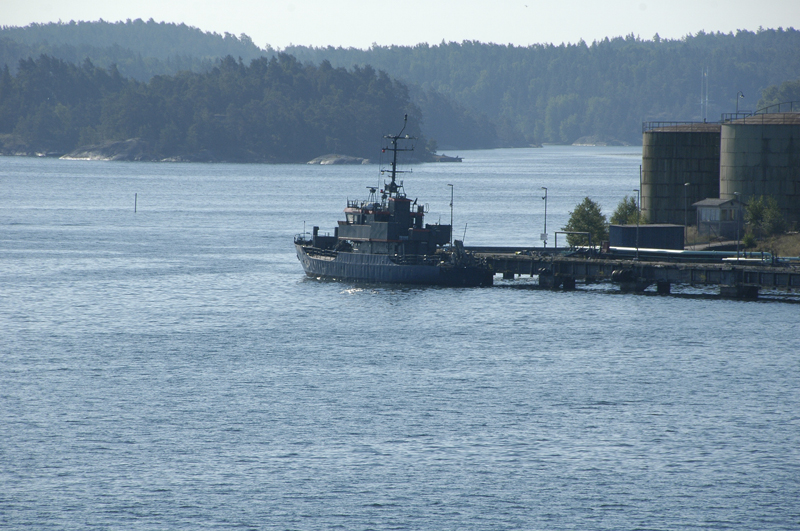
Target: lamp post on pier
638,213
685,213
544,234
451,214
738,216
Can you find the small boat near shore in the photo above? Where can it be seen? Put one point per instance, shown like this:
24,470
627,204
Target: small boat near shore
384,239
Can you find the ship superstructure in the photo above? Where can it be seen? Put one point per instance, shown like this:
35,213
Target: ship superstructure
385,239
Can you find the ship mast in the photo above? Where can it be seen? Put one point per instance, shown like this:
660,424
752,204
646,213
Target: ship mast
392,188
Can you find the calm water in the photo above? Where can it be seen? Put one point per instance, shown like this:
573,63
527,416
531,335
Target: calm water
174,369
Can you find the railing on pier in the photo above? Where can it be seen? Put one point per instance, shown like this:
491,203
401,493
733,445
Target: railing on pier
762,118
684,126
568,232
777,113
786,106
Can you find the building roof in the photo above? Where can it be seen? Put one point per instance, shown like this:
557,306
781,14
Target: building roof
648,225
712,202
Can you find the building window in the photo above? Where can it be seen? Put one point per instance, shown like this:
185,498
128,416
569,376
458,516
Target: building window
709,214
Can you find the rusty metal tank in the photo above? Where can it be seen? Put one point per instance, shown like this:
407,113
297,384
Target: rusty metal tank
760,155
673,154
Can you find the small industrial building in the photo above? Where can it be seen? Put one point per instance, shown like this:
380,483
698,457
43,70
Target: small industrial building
720,218
660,236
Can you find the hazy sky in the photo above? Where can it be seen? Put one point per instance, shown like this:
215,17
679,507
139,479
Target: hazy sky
360,23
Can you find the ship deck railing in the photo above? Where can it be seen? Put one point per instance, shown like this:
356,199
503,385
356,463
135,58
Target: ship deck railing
416,259
316,251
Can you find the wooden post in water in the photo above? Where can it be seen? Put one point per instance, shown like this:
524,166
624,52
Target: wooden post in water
135,201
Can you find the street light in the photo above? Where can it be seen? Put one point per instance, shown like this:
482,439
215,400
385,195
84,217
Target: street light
544,234
739,94
451,214
638,213
736,198
685,214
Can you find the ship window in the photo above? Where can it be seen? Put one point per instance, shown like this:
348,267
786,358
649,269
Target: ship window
351,218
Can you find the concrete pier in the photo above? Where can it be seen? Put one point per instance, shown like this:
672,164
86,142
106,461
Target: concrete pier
743,281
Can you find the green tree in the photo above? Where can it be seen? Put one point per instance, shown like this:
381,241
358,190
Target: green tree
626,212
764,216
785,92
587,217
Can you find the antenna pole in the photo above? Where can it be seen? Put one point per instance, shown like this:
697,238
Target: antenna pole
451,214
392,188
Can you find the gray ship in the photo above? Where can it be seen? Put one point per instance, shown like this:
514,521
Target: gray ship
385,240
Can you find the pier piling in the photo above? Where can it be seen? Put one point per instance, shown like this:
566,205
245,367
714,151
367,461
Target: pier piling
739,291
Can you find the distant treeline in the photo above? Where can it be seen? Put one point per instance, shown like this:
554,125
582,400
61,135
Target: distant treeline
604,89
472,94
274,110
118,40
142,50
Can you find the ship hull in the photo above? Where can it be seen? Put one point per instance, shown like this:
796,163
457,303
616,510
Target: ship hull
361,267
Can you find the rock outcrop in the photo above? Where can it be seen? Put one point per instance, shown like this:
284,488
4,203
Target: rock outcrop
594,140
338,159
133,149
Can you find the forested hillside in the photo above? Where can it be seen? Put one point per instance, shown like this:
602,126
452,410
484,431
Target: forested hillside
139,49
274,110
472,94
160,40
142,50
780,95
560,93
128,63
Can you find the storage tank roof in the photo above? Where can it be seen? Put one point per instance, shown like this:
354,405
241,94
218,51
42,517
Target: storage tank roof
681,127
768,119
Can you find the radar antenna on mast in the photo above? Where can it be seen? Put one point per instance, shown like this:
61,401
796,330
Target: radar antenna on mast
393,188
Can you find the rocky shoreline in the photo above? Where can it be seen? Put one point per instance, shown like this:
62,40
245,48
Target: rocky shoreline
125,150
137,150
338,159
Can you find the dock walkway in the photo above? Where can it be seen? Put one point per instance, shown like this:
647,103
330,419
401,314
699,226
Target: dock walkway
741,279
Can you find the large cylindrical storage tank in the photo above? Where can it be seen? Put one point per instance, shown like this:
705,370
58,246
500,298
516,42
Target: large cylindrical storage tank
760,155
673,155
